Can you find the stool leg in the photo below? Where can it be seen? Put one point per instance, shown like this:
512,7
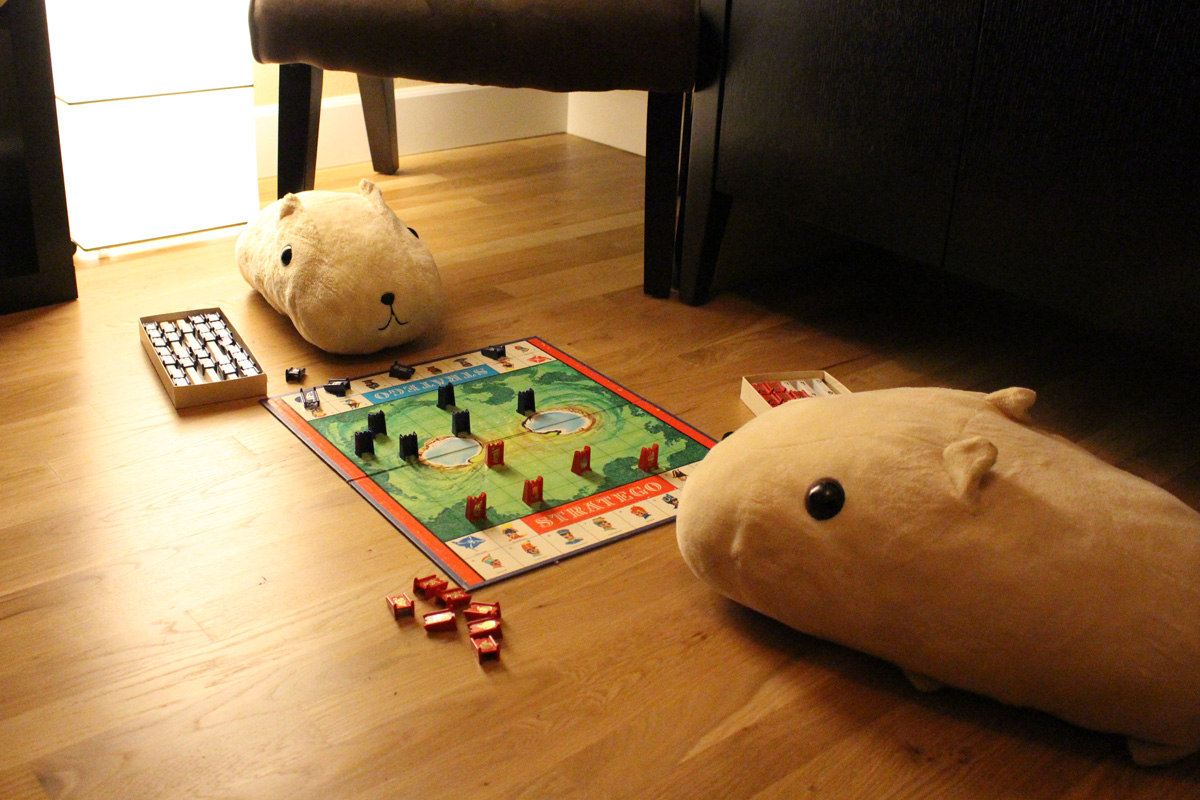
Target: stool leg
378,97
664,123
299,122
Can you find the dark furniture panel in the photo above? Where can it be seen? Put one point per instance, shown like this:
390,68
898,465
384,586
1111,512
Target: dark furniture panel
849,113
1080,184
1051,150
36,266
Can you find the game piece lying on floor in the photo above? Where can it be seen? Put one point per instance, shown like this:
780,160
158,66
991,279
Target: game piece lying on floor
432,492
486,648
940,531
400,604
478,610
438,621
200,358
484,627
294,374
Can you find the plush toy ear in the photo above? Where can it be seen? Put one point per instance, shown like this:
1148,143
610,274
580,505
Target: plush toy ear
1014,401
289,204
968,461
374,196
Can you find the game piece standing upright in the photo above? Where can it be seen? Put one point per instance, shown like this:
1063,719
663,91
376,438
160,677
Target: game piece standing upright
377,423
364,443
460,423
445,396
532,493
408,445
525,402
581,462
477,507
495,453
648,460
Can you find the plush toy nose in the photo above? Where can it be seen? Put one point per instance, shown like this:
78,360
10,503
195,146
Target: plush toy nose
387,298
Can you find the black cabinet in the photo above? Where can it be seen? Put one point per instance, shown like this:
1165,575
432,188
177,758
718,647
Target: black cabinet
36,266
1047,149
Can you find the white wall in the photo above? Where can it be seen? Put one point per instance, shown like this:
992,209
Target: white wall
440,117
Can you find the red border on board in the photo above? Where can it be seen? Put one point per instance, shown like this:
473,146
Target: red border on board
318,443
436,546
616,388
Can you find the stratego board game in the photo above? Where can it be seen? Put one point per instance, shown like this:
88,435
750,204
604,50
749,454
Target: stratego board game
501,460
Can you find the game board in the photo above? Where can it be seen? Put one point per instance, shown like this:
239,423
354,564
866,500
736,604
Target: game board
607,463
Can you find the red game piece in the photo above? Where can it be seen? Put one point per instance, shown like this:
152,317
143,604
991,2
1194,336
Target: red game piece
477,507
486,648
477,611
582,461
532,494
454,599
648,460
440,621
429,587
400,604
495,454
484,627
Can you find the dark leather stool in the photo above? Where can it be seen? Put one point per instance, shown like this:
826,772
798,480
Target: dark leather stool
554,45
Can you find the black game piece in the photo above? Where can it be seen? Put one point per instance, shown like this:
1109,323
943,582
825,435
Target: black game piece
401,371
338,386
408,445
376,422
364,443
495,351
460,423
294,374
311,401
445,396
525,402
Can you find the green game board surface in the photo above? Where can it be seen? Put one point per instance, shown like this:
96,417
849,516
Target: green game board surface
614,428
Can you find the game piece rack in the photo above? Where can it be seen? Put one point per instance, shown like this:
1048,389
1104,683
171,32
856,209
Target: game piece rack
763,392
200,358
501,460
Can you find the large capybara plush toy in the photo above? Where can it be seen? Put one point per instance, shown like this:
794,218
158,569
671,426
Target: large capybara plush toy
344,268
938,530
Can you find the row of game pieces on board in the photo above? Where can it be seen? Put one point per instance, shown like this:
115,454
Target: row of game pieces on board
777,393
340,386
199,349
483,619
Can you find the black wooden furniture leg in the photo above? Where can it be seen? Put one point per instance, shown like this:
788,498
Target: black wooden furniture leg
707,212
664,123
299,122
378,97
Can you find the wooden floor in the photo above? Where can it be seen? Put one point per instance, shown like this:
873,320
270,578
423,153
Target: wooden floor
191,603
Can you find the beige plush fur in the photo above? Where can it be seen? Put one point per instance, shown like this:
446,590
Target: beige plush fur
971,550
344,268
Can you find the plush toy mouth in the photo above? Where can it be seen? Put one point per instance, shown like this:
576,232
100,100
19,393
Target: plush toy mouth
388,299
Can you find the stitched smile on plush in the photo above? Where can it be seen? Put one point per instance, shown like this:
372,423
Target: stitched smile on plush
389,299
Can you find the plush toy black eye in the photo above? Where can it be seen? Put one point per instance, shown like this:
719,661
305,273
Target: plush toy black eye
825,499
286,255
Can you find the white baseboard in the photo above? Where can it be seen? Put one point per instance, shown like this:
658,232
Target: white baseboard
429,118
617,119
